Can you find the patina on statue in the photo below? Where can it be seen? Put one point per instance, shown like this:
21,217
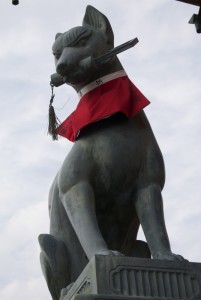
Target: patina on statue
111,180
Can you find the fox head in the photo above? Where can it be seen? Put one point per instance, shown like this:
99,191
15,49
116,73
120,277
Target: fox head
72,48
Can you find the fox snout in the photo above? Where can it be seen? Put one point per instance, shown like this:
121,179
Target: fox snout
63,68
67,62
72,66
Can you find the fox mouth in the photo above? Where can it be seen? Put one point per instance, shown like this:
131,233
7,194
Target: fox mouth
77,77
78,73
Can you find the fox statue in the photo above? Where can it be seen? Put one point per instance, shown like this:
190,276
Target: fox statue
111,180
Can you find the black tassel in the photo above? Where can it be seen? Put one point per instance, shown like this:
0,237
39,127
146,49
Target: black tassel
53,120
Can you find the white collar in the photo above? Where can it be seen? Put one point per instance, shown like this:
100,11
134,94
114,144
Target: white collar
91,86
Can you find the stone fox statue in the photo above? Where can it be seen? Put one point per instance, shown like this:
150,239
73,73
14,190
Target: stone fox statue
111,180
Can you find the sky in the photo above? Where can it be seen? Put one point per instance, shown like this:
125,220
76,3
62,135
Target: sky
165,66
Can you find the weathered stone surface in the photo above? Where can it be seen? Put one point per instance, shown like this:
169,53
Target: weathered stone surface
109,277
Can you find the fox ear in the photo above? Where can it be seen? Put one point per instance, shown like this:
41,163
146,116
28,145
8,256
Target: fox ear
57,35
95,19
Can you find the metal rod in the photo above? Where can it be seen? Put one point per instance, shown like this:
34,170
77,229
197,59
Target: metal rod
115,51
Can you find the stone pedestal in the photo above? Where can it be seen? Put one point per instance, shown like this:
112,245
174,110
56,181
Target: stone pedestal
126,278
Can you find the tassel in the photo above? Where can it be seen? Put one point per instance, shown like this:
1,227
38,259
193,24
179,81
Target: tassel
53,120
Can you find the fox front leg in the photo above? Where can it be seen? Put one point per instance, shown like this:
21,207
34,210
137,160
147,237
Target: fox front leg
149,207
79,203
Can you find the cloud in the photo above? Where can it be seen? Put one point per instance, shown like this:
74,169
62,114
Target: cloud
34,287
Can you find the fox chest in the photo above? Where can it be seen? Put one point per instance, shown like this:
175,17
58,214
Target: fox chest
115,162
112,159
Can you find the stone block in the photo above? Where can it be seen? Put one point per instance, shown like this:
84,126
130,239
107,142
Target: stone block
126,278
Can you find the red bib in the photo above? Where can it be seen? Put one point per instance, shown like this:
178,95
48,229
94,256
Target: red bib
101,99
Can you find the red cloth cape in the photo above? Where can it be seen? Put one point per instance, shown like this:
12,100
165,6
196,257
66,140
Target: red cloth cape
117,95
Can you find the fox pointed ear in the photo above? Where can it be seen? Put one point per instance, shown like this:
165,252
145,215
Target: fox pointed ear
57,35
95,19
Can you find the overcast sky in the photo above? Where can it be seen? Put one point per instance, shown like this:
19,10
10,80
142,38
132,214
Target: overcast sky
165,65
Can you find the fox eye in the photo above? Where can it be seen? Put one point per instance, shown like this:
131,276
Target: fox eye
81,42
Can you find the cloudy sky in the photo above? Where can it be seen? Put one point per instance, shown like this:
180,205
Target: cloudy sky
165,65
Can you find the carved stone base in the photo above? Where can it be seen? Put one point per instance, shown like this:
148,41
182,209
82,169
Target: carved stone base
123,278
